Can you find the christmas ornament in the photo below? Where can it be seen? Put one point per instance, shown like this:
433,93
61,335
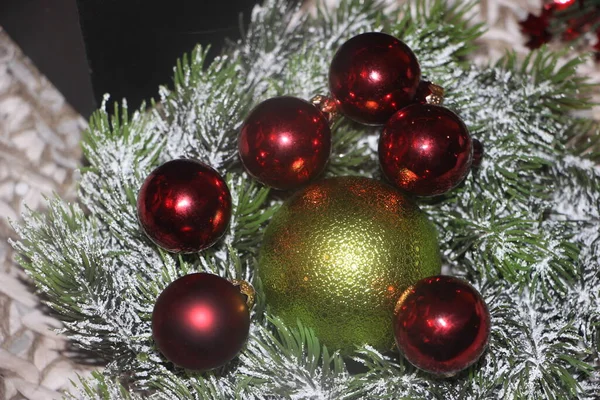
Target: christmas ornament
562,4
201,321
285,142
442,325
372,76
184,206
571,34
425,150
338,254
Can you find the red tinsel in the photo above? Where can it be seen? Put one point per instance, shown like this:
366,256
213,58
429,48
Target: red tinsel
549,24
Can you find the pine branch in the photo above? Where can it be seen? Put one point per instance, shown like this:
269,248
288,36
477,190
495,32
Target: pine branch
306,70
505,245
203,111
251,213
550,354
120,151
291,363
333,26
71,263
439,34
497,218
388,378
350,153
99,387
577,198
275,33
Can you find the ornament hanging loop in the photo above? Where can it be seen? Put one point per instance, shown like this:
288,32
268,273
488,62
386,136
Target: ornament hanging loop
246,289
434,94
327,106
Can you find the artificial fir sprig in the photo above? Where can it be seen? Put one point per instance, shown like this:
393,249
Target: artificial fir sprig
299,366
441,35
206,99
524,227
526,129
98,386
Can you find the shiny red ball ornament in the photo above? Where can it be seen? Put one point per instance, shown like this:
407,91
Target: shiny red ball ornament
372,76
562,4
200,321
285,142
425,150
184,206
441,325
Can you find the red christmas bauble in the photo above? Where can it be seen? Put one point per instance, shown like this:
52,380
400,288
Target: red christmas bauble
285,142
442,325
184,206
372,76
200,321
425,150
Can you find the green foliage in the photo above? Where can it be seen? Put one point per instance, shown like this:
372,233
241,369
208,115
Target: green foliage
202,113
250,213
64,253
350,153
299,366
441,35
99,387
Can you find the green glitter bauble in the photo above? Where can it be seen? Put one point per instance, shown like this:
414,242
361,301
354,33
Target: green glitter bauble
339,253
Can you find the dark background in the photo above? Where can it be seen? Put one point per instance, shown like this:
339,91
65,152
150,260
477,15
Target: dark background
123,47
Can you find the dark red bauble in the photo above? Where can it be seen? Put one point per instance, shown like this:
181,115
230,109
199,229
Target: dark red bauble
372,76
200,322
442,325
285,142
425,150
184,206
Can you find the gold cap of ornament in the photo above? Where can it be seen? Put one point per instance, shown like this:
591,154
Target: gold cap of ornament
436,94
246,289
327,106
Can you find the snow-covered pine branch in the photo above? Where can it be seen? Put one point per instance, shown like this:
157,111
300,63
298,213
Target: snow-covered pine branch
524,228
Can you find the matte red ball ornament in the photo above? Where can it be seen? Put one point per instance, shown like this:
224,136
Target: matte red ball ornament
442,325
372,76
200,321
425,150
285,142
184,206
